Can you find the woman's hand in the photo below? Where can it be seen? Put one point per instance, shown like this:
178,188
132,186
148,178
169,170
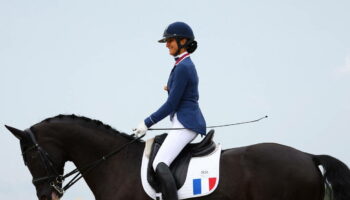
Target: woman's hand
140,130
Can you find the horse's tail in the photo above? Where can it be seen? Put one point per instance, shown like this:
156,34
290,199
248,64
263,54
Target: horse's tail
337,175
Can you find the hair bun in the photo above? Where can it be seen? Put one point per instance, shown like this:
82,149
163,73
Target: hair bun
191,46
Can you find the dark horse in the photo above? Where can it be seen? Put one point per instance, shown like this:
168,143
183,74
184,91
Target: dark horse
259,172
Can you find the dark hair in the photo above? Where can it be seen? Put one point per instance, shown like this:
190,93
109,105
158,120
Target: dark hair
191,46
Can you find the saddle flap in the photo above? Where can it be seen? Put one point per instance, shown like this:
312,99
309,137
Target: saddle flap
157,142
179,166
201,178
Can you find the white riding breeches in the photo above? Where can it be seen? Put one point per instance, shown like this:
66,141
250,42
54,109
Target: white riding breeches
173,143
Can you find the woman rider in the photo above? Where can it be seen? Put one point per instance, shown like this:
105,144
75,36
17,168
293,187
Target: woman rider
181,105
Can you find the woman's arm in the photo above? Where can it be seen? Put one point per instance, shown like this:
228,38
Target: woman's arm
181,77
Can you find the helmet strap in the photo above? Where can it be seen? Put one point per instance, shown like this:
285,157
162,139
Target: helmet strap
179,46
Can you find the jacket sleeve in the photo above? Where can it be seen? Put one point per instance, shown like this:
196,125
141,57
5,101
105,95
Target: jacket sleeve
181,78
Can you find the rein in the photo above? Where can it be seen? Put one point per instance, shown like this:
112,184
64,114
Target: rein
58,179
89,167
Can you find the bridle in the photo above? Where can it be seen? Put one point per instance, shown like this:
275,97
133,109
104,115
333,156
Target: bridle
56,179
46,162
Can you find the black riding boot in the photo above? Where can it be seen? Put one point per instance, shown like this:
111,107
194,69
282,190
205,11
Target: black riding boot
166,181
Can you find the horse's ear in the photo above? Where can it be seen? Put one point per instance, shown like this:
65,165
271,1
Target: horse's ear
18,133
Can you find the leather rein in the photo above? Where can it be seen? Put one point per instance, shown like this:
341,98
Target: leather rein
55,178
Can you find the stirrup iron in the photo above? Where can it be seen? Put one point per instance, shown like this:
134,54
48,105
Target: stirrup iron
159,196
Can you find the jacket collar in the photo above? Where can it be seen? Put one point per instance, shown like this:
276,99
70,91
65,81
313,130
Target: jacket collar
181,57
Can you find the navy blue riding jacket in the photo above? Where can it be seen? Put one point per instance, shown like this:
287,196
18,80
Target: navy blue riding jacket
182,99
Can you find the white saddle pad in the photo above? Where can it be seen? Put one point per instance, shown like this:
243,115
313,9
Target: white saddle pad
202,175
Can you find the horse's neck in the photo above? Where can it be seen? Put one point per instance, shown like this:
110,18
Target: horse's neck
86,146
83,145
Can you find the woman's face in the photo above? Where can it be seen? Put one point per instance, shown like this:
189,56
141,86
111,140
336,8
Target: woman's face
171,44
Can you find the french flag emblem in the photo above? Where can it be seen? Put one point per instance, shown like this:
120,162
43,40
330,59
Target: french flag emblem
203,185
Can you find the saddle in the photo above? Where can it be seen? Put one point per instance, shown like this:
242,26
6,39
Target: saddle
180,165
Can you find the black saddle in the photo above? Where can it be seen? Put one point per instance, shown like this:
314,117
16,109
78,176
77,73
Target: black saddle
179,166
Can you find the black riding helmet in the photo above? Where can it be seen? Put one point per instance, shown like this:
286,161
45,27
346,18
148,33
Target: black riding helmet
180,30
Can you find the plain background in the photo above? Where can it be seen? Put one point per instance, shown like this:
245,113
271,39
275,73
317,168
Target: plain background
286,59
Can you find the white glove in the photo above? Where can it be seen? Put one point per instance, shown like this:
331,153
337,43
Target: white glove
140,130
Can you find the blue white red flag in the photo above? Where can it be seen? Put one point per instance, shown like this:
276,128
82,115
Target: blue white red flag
203,185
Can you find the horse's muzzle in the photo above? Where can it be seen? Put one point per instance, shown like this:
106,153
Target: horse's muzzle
54,196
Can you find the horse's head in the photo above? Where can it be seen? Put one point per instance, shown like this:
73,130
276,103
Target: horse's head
44,161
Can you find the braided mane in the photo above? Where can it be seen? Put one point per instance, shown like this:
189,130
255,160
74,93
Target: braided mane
96,123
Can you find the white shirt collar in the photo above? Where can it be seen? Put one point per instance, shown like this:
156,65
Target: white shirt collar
179,56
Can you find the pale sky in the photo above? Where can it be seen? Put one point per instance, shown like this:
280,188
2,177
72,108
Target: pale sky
289,60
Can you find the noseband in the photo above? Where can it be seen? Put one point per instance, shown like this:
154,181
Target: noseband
55,177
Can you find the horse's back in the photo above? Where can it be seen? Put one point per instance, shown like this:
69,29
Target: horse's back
269,171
